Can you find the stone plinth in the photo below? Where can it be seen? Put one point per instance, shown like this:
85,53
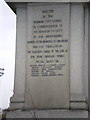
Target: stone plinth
48,114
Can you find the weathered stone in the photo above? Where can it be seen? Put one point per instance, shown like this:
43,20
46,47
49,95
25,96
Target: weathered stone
48,114
39,84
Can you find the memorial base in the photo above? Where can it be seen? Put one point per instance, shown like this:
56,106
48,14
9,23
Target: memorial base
47,114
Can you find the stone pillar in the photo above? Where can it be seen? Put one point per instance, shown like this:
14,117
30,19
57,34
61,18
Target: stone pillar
85,81
77,57
17,100
76,47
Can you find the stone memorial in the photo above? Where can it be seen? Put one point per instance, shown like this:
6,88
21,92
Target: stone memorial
51,58
48,57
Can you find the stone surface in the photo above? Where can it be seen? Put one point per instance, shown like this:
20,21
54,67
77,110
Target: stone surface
47,0
17,99
48,56
16,106
77,98
76,50
77,58
78,44
79,105
48,114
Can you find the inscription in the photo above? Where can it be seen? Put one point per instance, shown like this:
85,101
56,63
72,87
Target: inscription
47,49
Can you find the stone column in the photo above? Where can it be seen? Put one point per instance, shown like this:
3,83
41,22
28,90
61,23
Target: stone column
17,100
77,58
76,47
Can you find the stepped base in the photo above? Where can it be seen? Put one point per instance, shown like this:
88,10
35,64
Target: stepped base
47,114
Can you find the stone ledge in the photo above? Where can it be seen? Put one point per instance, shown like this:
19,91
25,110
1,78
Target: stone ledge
47,114
77,98
17,99
16,106
47,1
78,106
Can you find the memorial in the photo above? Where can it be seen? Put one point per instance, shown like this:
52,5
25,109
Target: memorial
51,57
48,56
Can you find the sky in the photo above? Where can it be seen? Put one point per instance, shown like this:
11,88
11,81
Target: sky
7,52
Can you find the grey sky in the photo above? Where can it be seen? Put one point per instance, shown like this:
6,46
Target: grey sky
7,52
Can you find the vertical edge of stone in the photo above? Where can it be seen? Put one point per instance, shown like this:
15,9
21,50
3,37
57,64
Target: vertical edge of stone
20,61
85,65
89,55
